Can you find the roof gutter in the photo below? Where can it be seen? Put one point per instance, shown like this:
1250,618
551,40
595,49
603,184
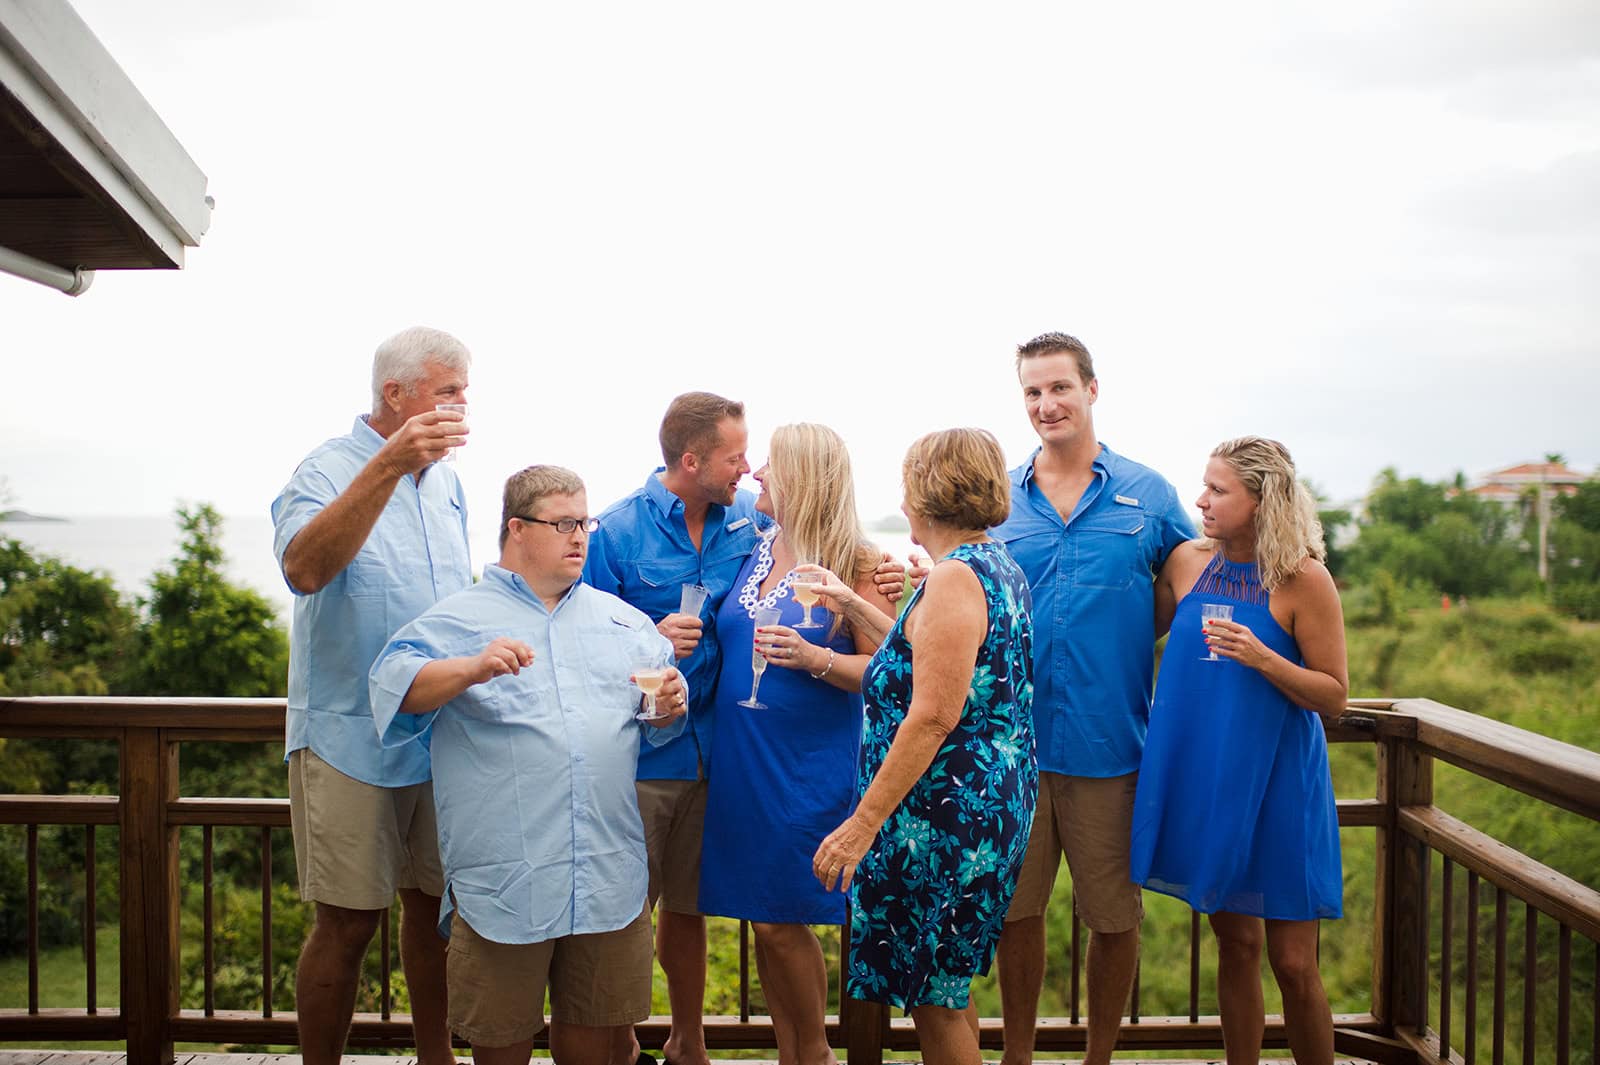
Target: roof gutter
72,282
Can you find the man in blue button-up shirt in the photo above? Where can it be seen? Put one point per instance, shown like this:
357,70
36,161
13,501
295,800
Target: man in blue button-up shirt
689,524
370,531
534,753
1090,529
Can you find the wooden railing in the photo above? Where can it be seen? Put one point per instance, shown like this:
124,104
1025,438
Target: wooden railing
1412,1016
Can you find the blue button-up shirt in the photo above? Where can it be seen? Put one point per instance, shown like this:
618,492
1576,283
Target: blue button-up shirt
532,773
415,555
642,554
1092,578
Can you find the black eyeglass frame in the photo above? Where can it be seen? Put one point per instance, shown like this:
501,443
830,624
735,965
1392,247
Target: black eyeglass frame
564,526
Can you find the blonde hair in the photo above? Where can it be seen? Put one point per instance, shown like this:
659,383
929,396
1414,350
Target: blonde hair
1288,530
957,477
808,474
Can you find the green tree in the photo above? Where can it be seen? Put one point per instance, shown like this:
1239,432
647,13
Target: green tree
63,630
206,635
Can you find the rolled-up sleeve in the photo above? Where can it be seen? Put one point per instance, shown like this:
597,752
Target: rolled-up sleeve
392,675
302,499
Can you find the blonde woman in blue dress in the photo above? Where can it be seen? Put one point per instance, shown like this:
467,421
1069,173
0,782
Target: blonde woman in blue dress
1234,812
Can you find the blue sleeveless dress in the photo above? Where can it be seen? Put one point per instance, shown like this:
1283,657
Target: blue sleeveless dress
1235,809
782,778
931,893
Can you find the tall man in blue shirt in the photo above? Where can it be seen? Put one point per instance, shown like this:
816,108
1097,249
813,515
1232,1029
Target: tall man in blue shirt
369,532
1090,529
689,524
534,752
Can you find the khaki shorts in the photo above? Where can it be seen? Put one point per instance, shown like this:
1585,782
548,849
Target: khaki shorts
674,816
1091,819
356,843
496,990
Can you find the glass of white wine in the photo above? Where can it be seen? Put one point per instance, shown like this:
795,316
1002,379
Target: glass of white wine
805,585
1210,612
764,616
649,676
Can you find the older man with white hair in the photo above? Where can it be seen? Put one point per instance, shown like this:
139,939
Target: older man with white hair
369,532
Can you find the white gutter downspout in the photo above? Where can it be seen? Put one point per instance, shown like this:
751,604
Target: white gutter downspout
72,282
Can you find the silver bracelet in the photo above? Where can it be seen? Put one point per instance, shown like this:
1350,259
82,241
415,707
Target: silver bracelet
826,668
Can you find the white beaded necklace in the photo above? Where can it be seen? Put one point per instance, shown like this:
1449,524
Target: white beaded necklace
758,573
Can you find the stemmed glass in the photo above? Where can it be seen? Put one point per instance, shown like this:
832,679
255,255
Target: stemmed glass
457,408
805,587
1210,612
649,676
767,615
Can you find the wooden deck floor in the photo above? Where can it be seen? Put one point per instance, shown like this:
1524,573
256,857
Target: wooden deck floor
106,1057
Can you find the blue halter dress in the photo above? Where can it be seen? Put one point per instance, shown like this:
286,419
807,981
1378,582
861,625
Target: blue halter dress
1235,808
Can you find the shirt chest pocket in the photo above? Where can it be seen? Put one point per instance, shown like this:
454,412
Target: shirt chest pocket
1109,552
668,573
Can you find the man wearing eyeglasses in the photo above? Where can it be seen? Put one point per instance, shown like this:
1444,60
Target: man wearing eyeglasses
370,531
524,682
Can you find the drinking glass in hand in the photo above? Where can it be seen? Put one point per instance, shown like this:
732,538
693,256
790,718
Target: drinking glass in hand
765,616
649,678
1210,612
457,408
804,586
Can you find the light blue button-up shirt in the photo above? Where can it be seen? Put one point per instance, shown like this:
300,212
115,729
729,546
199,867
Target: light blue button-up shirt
415,555
1093,582
533,773
643,555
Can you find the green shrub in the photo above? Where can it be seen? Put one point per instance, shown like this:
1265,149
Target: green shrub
1580,599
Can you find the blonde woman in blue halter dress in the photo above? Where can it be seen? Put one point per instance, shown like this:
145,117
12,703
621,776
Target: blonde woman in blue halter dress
1234,812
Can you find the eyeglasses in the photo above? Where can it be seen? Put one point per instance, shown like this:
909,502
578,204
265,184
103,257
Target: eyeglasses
565,525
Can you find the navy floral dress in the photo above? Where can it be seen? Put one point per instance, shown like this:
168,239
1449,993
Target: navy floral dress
931,893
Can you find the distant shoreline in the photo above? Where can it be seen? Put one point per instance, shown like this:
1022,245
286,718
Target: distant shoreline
23,515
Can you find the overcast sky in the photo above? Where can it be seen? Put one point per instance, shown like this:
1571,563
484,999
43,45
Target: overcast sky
1371,230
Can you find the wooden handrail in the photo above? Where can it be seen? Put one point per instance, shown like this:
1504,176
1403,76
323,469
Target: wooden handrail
1409,735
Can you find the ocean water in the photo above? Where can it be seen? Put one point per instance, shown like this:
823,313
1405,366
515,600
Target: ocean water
131,549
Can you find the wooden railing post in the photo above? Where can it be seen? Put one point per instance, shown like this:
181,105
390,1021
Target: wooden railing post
866,1029
149,861
1400,958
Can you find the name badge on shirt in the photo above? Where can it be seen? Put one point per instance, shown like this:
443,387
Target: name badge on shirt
741,523
1127,501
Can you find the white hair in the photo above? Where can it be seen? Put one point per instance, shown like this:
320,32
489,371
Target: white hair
403,357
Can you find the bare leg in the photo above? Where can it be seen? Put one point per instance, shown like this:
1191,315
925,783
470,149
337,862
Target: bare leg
1292,950
795,979
946,1036
576,1044
681,949
624,1046
325,980
1113,956
515,1054
1021,958
422,958
1239,986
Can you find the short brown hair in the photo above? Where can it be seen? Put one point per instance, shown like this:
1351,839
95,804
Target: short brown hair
1058,344
957,477
525,488
692,422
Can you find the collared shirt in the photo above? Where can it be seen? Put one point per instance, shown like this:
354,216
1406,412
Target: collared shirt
415,555
642,554
1093,583
532,773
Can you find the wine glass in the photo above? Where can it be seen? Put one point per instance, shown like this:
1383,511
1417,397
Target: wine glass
456,408
805,585
1210,612
767,615
649,676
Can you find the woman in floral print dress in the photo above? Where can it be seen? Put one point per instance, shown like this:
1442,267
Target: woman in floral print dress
948,778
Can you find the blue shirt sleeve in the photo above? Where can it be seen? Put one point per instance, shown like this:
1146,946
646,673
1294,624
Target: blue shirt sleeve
302,499
392,675
599,569
1175,525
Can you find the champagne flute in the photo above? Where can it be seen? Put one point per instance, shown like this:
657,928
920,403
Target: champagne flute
649,676
767,615
1210,612
805,585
